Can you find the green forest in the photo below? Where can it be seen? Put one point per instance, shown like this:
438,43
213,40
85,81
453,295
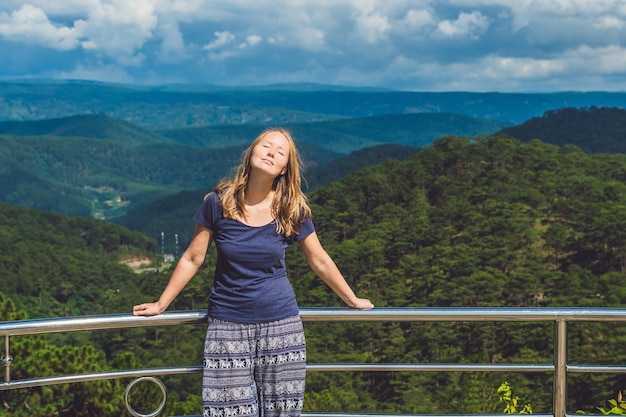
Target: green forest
467,221
101,167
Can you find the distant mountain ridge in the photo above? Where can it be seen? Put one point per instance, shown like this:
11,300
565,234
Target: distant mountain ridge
96,126
173,107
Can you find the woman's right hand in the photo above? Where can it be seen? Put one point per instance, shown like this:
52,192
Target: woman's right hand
147,309
362,304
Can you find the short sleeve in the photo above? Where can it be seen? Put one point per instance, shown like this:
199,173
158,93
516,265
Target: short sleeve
208,212
306,228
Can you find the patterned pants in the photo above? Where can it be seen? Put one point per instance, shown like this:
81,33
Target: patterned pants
254,369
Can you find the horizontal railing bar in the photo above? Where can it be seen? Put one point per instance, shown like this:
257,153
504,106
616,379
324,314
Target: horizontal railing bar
430,367
350,367
313,314
101,322
98,376
610,369
496,314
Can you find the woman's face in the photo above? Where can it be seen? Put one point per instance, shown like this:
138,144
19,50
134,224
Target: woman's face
271,154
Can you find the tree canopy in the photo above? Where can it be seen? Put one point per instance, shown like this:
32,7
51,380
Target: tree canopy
484,221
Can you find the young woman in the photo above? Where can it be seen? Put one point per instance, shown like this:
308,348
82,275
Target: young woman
254,352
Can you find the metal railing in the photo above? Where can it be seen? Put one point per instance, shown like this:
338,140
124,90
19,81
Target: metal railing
559,367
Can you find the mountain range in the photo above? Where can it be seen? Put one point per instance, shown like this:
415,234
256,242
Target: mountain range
141,157
98,166
179,106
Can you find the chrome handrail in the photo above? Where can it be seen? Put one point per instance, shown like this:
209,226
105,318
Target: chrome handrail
560,316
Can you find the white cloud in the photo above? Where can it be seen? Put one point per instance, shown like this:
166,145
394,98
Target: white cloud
428,44
253,40
520,74
118,29
538,13
523,68
172,48
108,73
370,24
115,28
606,60
417,19
53,8
467,25
608,22
31,25
217,48
307,38
219,51
222,39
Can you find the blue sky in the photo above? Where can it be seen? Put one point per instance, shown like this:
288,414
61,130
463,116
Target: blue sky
418,45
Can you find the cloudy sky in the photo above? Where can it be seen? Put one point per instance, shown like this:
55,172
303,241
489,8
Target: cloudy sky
420,45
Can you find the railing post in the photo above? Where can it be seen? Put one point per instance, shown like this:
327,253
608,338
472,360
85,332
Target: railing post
7,360
560,367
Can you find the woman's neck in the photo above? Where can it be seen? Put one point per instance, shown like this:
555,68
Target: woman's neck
258,191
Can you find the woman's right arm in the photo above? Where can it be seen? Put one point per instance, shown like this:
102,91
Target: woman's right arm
186,268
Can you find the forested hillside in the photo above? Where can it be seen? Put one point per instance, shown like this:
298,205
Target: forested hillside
54,265
488,221
172,214
103,178
348,135
97,166
593,129
93,126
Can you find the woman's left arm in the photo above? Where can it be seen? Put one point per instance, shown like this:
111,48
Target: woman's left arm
322,264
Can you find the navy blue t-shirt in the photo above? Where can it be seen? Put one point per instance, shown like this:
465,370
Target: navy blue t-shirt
250,284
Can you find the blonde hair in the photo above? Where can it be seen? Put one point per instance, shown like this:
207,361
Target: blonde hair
289,207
